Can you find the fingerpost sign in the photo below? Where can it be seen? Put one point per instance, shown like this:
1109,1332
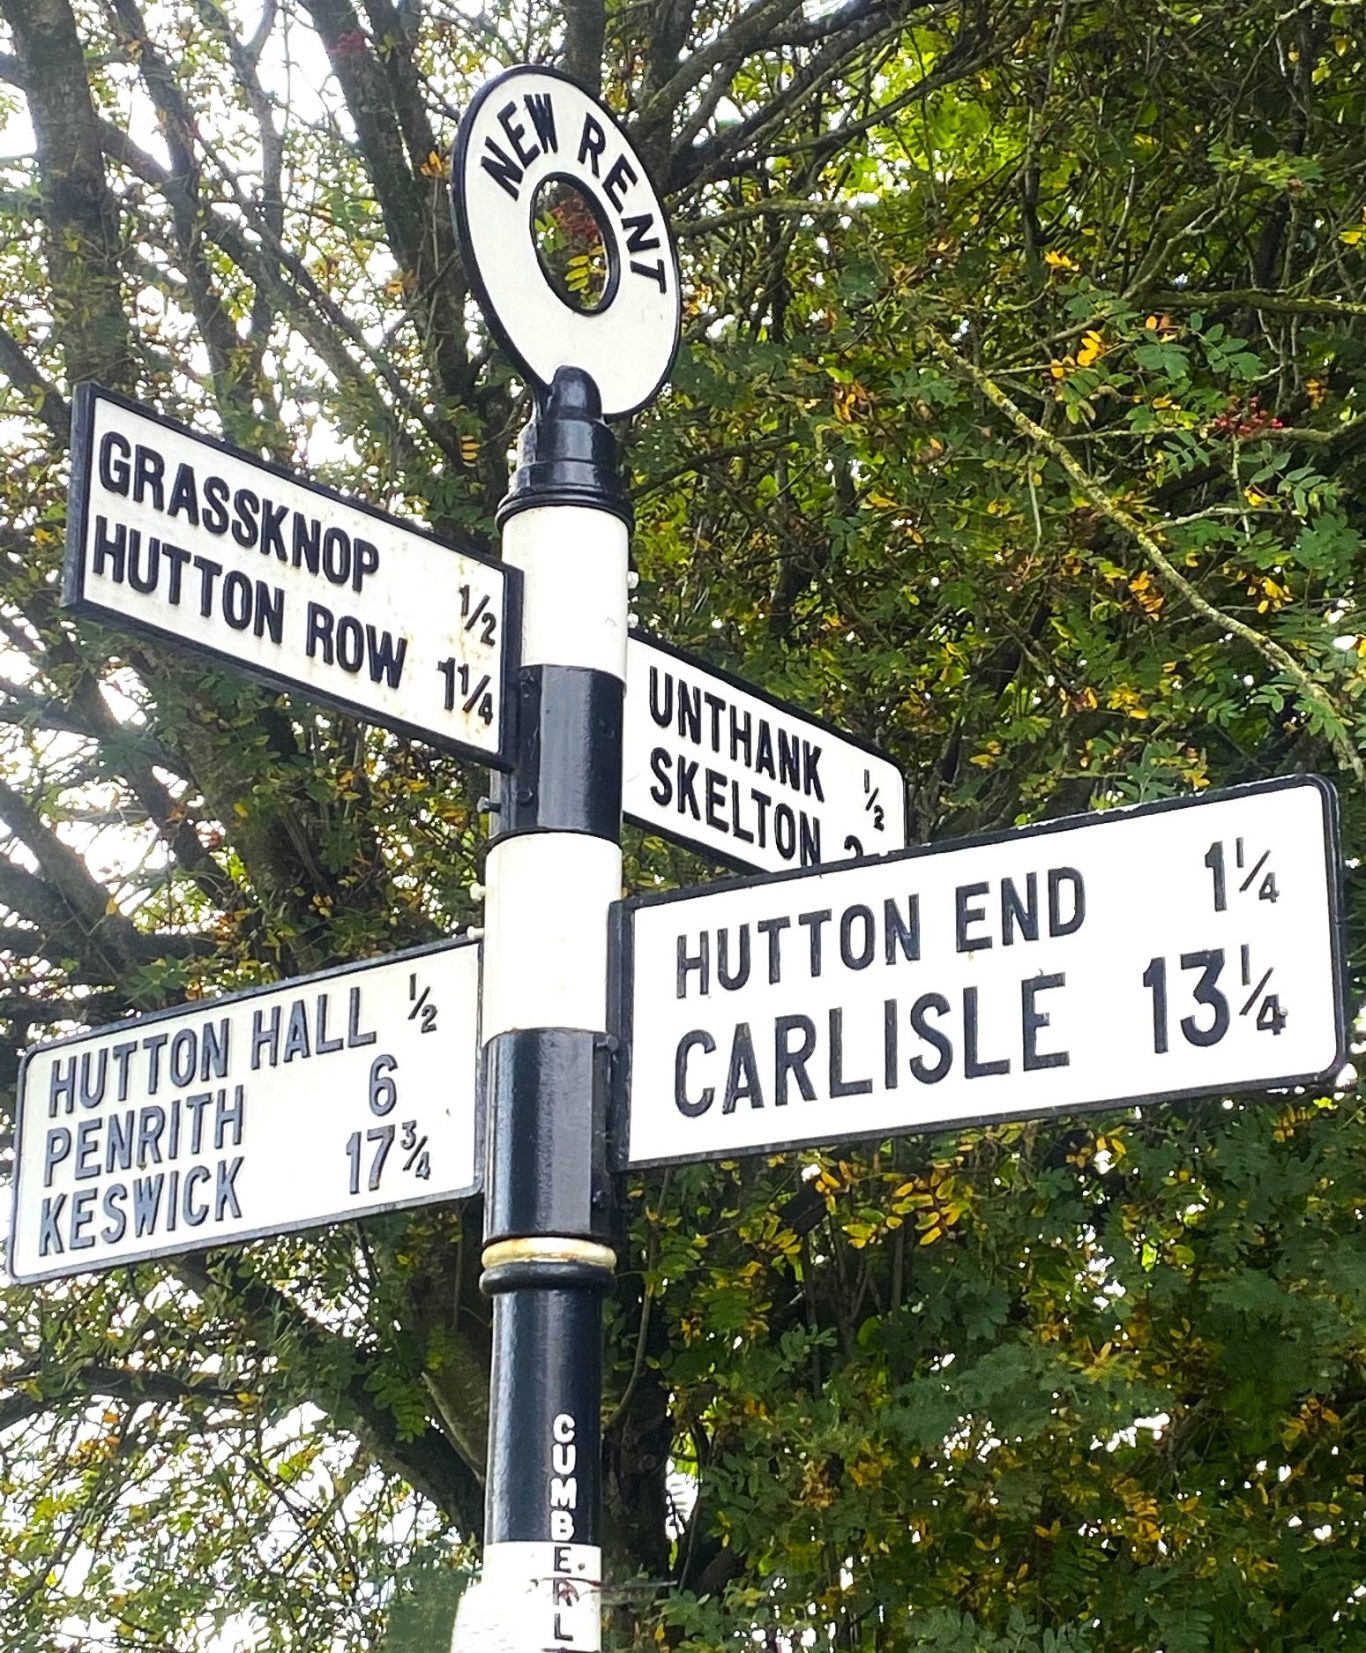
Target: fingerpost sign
1142,954
210,549
312,1101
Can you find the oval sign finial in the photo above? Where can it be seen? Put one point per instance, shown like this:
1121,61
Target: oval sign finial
565,242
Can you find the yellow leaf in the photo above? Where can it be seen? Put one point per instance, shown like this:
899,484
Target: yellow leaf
931,1235
1058,261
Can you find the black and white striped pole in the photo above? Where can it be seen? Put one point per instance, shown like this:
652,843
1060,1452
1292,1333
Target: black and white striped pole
535,149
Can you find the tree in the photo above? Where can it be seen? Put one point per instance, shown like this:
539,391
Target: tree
1017,426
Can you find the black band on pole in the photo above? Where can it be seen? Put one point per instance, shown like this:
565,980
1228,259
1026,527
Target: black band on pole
544,1446
567,754
547,1167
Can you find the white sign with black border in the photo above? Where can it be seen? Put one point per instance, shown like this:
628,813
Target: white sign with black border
526,132
216,551
314,1101
747,780
1170,950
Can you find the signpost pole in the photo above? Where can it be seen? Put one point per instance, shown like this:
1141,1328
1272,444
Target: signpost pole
553,870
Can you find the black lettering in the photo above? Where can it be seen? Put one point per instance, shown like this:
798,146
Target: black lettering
726,978
49,1226
269,612
687,792
151,1125
364,562
1032,1019
742,1076
321,1043
225,1191
147,1203
592,143
267,1035
184,1056
149,476
272,530
501,168
965,915
215,513
690,713
839,1085
1015,913
296,1034
144,580
306,549
857,958
973,1067
82,1218
245,505
655,273
514,131
62,1086
109,549
177,556
701,963
114,456
620,176
386,659
112,1205
192,1214
209,570
933,1036
661,697
784,831
318,632
735,826
87,1151
92,1085
716,799
184,500
337,556
715,705
542,112
638,238
237,603
1058,878
773,928
662,790
896,934
350,643
56,1148
814,922
354,1036
697,1039
792,1063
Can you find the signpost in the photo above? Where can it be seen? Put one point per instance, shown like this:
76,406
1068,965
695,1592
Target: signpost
320,1099
215,551
1178,949
1166,951
745,779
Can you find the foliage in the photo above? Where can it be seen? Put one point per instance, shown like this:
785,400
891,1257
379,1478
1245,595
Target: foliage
1017,426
